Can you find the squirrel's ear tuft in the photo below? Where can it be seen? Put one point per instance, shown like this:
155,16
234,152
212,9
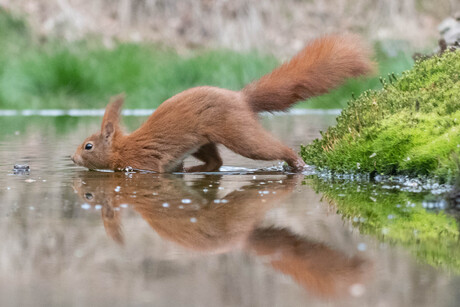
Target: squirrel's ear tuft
111,119
108,131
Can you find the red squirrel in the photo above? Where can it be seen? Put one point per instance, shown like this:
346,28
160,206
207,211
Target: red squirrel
194,121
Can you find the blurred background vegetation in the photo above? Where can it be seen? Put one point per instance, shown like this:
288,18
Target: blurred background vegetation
77,53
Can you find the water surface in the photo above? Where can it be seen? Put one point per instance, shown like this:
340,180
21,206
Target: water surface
250,235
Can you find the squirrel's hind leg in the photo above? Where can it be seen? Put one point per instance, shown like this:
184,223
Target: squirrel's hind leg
248,138
209,154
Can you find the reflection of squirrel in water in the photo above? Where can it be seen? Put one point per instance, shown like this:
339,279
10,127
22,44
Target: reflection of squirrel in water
219,227
194,121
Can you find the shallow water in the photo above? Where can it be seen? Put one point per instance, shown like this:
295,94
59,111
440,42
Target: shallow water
250,235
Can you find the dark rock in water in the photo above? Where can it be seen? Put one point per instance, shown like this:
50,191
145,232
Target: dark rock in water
454,202
21,169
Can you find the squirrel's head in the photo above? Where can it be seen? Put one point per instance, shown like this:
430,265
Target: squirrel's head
95,152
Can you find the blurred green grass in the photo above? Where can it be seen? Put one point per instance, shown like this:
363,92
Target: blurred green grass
43,74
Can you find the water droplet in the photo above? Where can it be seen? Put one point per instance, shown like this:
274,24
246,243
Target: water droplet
254,177
205,190
221,188
193,219
86,206
373,155
117,189
217,201
98,207
31,208
224,201
181,207
124,205
362,247
357,290
154,193
186,201
166,205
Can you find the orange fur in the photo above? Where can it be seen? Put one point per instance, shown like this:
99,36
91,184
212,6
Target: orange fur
315,266
319,67
194,121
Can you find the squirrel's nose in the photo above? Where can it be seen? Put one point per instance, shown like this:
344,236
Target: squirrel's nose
71,158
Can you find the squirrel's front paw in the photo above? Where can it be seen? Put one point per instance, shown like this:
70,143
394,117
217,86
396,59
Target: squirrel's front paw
297,166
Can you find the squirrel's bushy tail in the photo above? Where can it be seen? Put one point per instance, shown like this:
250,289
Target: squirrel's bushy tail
321,66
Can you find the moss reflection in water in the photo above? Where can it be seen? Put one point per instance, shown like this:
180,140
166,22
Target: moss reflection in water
397,217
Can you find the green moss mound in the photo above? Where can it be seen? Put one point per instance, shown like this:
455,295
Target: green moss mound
398,218
410,127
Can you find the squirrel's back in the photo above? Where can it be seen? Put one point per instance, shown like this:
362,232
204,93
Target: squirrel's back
321,66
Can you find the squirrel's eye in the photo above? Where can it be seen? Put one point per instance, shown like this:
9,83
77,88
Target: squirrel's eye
88,196
88,146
